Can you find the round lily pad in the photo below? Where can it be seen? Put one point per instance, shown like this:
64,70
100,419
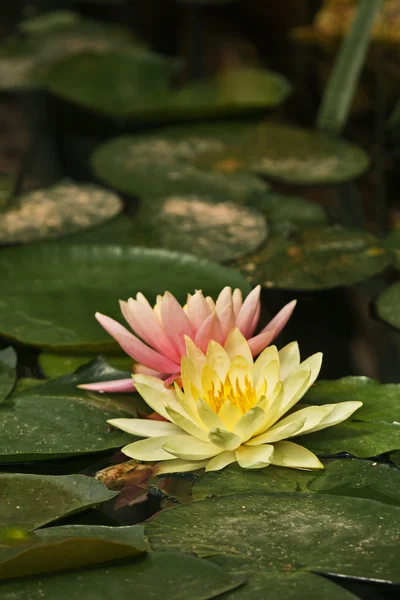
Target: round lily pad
140,87
62,209
388,305
316,259
189,223
25,61
275,537
51,292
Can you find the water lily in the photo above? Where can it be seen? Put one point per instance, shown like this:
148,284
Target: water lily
160,343
232,409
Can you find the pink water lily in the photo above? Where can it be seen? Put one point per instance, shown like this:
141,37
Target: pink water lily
160,341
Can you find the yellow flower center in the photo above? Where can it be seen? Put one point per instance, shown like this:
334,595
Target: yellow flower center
244,398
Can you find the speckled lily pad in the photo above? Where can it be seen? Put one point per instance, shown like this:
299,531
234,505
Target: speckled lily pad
316,259
62,209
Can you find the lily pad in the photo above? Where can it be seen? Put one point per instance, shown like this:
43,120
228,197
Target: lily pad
202,225
373,429
25,61
167,575
140,87
51,292
21,497
395,458
57,419
8,372
388,305
275,537
349,477
60,210
57,365
70,547
316,259
392,243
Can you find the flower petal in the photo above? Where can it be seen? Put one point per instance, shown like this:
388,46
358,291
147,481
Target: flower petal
261,341
245,317
149,449
117,385
197,309
237,300
221,461
254,458
254,323
208,416
226,317
288,454
187,424
145,427
340,412
230,414
177,465
135,347
249,423
145,323
209,330
156,395
260,364
218,359
280,320
224,439
190,448
176,323
289,358
278,433
236,345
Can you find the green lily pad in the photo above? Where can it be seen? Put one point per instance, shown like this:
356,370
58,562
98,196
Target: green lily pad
388,305
8,372
70,547
355,478
25,61
395,457
167,575
275,537
140,87
57,365
392,243
57,419
373,429
201,225
50,293
22,496
57,211
316,259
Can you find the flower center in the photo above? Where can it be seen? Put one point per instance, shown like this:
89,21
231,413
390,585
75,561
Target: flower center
243,397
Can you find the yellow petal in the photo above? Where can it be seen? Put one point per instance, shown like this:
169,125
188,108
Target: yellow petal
230,415
254,458
208,416
150,449
218,359
340,412
294,388
209,380
277,433
288,454
190,448
157,396
268,355
311,417
182,421
236,345
249,423
145,427
271,376
240,372
177,465
224,439
289,358
194,354
221,461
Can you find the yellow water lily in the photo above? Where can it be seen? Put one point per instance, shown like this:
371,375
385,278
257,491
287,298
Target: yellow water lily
231,409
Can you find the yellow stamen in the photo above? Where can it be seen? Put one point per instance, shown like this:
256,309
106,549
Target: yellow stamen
244,399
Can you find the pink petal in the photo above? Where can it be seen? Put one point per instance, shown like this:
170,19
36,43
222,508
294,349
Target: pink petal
176,323
237,300
245,318
118,385
224,298
145,323
280,320
210,330
142,370
226,318
261,341
135,348
197,309
255,321
172,378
